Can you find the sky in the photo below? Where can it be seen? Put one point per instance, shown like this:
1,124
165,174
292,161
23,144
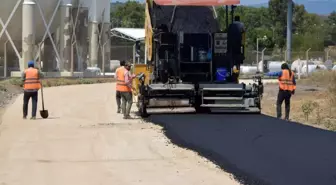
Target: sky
250,2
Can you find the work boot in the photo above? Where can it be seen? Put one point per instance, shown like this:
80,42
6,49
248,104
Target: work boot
33,118
24,117
127,117
119,111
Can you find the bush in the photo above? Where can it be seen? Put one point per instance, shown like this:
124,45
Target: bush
332,91
15,81
308,107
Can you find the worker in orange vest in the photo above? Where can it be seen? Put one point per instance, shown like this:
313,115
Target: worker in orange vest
287,86
118,94
124,86
31,85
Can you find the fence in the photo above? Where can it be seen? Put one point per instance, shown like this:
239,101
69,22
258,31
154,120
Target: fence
250,66
273,55
12,59
124,52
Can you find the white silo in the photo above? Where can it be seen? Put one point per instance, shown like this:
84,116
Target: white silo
26,22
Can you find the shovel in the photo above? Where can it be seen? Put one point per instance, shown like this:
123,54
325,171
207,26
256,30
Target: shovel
44,113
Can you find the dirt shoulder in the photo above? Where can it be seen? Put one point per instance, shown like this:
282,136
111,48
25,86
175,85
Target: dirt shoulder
7,96
10,89
84,141
313,103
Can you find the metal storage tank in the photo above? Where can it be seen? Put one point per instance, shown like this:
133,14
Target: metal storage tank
297,65
99,13
248,69
313,68
14,27
274,66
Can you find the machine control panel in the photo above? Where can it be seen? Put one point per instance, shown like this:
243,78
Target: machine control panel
220,43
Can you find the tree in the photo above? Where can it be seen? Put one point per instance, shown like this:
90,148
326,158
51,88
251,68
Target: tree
278,16
332,18
298,19
331,26
129,15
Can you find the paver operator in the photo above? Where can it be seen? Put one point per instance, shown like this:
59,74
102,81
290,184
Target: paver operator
287,86
118,94
124,86
31,85
235,34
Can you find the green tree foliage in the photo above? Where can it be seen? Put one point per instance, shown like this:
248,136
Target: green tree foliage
331,26
278,17
309,30
129,15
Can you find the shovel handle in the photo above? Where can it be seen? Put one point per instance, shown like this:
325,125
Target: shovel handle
42,96
41,88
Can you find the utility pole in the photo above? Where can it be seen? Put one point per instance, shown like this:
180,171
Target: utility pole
289,29
257,52
262,60
307,58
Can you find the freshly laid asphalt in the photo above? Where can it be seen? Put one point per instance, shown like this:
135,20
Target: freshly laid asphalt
256,148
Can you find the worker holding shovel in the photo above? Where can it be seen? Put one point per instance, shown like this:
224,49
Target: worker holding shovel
31,86
124,86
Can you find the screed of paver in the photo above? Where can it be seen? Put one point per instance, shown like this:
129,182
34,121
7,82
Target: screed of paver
85,142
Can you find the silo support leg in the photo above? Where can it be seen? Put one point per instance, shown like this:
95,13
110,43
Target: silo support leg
47,26
10,40
4,27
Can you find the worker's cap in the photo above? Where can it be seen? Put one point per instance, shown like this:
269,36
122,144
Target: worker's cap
128,64
31,63
284,66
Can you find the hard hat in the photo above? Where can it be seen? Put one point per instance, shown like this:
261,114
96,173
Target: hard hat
31,63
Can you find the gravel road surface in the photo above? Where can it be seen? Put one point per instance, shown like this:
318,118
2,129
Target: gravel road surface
85,142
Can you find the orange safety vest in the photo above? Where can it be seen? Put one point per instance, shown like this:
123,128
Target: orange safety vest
286,81
118,70
120,67
121,85
32,80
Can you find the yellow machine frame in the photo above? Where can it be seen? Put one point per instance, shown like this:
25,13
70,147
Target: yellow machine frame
144,68
147,69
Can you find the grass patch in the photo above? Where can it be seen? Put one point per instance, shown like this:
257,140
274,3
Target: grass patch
322,78
320,107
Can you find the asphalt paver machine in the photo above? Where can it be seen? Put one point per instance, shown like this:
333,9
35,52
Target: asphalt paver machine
191,62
